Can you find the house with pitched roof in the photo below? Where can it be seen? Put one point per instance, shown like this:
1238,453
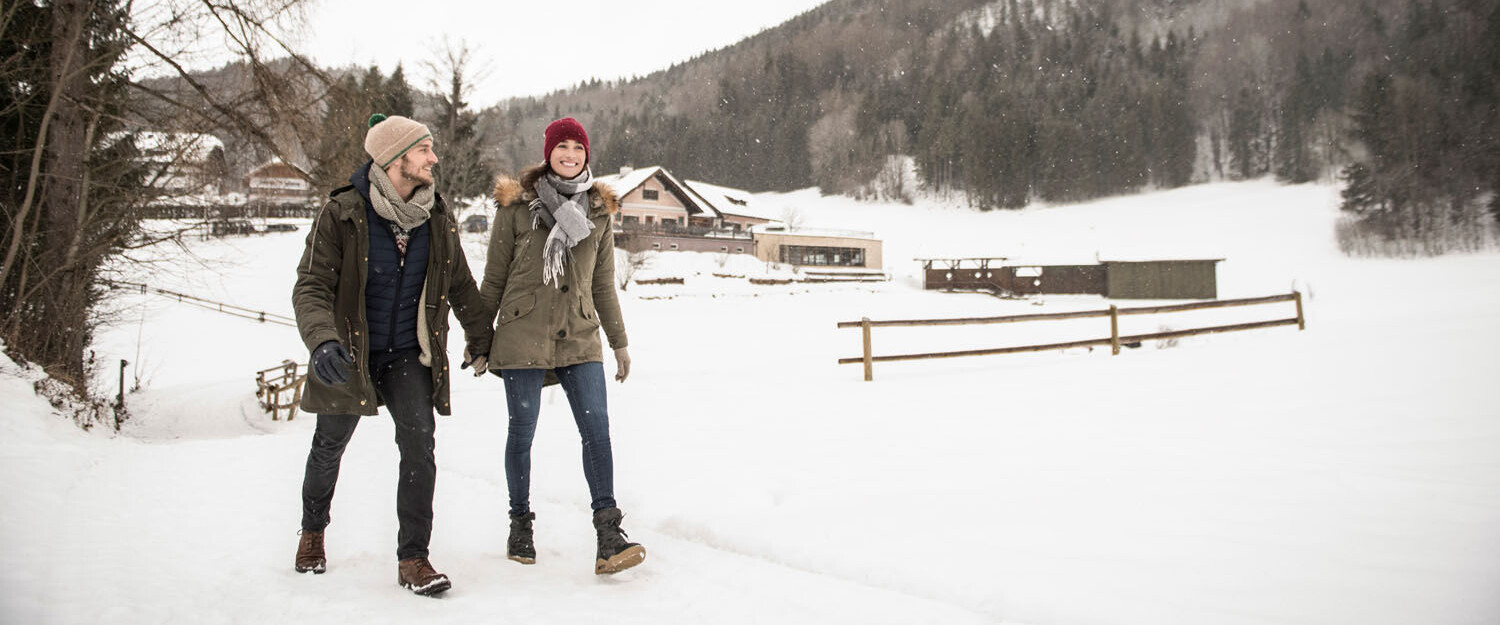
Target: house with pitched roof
182,163
277,182
660,211
734,206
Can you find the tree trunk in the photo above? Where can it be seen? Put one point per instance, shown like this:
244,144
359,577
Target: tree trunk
55,320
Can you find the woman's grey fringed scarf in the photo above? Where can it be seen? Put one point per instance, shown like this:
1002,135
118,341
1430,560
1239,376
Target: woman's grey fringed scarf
561,205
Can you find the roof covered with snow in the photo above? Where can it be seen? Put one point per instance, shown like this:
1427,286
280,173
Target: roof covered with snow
624,183
731,201
159,146
275,168
780,229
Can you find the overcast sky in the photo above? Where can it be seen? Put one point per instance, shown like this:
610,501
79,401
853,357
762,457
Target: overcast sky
535,47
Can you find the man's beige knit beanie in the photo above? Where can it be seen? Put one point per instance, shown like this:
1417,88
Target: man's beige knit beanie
390,137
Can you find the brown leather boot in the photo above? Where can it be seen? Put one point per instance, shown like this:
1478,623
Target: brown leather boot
310,556
615,553
417,575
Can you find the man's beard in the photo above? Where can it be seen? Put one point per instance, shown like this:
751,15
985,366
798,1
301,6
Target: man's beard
413,172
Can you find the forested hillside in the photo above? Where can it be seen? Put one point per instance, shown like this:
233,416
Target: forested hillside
1010,102
1015,101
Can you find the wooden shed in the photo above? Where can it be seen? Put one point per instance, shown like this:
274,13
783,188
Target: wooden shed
1151,279
1161,279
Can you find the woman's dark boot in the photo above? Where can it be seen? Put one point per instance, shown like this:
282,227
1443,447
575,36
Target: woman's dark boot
520,547
615,553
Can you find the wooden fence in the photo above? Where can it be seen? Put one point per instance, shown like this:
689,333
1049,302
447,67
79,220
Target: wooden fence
272,385
1114,340
228,309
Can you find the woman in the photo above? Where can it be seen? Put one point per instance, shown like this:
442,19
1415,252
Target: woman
550,278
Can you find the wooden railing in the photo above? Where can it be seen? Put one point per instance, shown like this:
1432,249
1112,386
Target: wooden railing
273,384
1115,340
228,309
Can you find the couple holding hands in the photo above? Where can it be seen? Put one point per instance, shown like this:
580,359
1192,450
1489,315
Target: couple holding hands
382,268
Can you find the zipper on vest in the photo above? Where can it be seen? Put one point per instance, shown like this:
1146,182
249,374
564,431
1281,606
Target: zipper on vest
396,301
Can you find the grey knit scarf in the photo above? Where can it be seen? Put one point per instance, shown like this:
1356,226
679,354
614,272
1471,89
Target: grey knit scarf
388,203
560,205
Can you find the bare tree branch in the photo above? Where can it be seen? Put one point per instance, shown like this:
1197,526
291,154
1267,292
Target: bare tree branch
239,121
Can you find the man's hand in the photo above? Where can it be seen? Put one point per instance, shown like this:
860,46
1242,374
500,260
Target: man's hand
330,362
622,364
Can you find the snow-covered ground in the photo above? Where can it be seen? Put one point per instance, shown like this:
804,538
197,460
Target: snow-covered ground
1346,474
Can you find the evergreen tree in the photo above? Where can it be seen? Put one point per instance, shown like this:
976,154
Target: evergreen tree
1245,135
372,91
1379,184
1484,93
71,182
1298,109
1172,144
462,171
397,95
340,148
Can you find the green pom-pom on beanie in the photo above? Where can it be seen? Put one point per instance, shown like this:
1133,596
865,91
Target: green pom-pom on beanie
376,118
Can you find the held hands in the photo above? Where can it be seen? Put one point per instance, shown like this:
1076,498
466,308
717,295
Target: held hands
480,363
622,364
330,362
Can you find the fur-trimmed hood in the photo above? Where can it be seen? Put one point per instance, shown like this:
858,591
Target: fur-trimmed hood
508,191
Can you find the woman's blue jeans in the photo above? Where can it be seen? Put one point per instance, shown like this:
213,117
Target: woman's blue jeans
584,385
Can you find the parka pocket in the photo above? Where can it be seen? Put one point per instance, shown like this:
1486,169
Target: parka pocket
516,308
587,313
437,317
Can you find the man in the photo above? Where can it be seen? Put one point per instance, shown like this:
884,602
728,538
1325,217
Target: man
381,268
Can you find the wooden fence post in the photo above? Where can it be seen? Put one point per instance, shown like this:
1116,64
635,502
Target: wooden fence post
1301,322
296,395
1114,330
864,323
120,401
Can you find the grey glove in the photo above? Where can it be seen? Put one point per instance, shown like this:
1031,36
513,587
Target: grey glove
480,363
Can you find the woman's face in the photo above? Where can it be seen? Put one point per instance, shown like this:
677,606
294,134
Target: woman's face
567,158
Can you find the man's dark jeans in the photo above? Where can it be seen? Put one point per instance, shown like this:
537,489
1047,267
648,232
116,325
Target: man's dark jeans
405,385
584,384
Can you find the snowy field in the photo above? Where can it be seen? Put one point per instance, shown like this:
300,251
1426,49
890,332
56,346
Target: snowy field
1345,474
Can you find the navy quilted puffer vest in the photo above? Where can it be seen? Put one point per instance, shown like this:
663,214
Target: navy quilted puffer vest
393,286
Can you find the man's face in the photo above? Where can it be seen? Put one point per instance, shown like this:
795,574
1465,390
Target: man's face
416,164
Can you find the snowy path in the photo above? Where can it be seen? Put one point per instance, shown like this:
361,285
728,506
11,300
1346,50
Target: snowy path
202,531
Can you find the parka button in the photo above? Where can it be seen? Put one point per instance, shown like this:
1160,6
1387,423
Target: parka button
361,402
565,288
562,333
